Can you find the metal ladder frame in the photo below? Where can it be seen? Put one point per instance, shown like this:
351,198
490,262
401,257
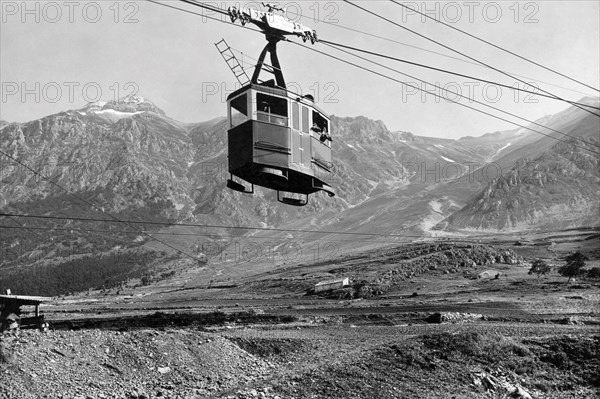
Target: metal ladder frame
233,63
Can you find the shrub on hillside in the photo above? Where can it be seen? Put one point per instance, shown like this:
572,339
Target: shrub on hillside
574,266
540,268
89,272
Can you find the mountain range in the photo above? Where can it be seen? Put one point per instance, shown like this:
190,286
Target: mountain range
128,160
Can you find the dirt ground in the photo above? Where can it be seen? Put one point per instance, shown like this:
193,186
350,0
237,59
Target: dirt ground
328,358
403,329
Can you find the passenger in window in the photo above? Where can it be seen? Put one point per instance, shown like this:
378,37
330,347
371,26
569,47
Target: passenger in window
315,128
324,136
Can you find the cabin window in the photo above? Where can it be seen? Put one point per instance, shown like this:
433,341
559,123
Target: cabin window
320,124
305,125
320,128
272,109
296,116
238,111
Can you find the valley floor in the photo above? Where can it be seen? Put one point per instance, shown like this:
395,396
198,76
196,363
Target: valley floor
417,332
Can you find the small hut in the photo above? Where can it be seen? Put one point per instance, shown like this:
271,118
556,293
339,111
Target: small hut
10,311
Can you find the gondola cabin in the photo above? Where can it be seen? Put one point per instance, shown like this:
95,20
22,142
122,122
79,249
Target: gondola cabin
278,140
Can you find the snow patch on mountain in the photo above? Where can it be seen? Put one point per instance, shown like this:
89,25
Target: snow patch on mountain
118,114
506,146
499,151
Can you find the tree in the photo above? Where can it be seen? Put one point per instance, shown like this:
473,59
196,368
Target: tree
574,266
539,267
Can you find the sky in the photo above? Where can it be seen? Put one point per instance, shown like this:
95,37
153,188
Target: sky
59,55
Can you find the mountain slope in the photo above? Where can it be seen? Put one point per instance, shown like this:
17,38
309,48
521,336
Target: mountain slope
558,189
133,162
548,184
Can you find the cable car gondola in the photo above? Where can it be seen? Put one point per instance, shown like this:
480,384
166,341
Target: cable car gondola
276,139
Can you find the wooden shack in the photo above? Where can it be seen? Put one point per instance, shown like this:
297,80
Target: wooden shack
10,306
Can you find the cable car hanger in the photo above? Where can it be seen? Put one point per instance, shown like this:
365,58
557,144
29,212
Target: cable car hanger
275,27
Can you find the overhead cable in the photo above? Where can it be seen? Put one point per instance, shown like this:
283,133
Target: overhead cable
495,46
457,51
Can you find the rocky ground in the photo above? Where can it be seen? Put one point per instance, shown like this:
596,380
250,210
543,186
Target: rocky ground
430,332
463,358
137,364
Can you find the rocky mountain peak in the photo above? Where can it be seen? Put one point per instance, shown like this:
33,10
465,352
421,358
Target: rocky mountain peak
405,136
362,130
132,104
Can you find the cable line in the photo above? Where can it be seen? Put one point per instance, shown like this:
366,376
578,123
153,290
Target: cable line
496,46
434,52
200,15
456,51
206,6
440,96
473,100
453,73
420,65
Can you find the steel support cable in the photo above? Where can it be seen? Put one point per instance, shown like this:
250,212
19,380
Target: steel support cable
451,72
438,95
484,104
206,6
457,51
434,52
198,14
496,46
470,99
